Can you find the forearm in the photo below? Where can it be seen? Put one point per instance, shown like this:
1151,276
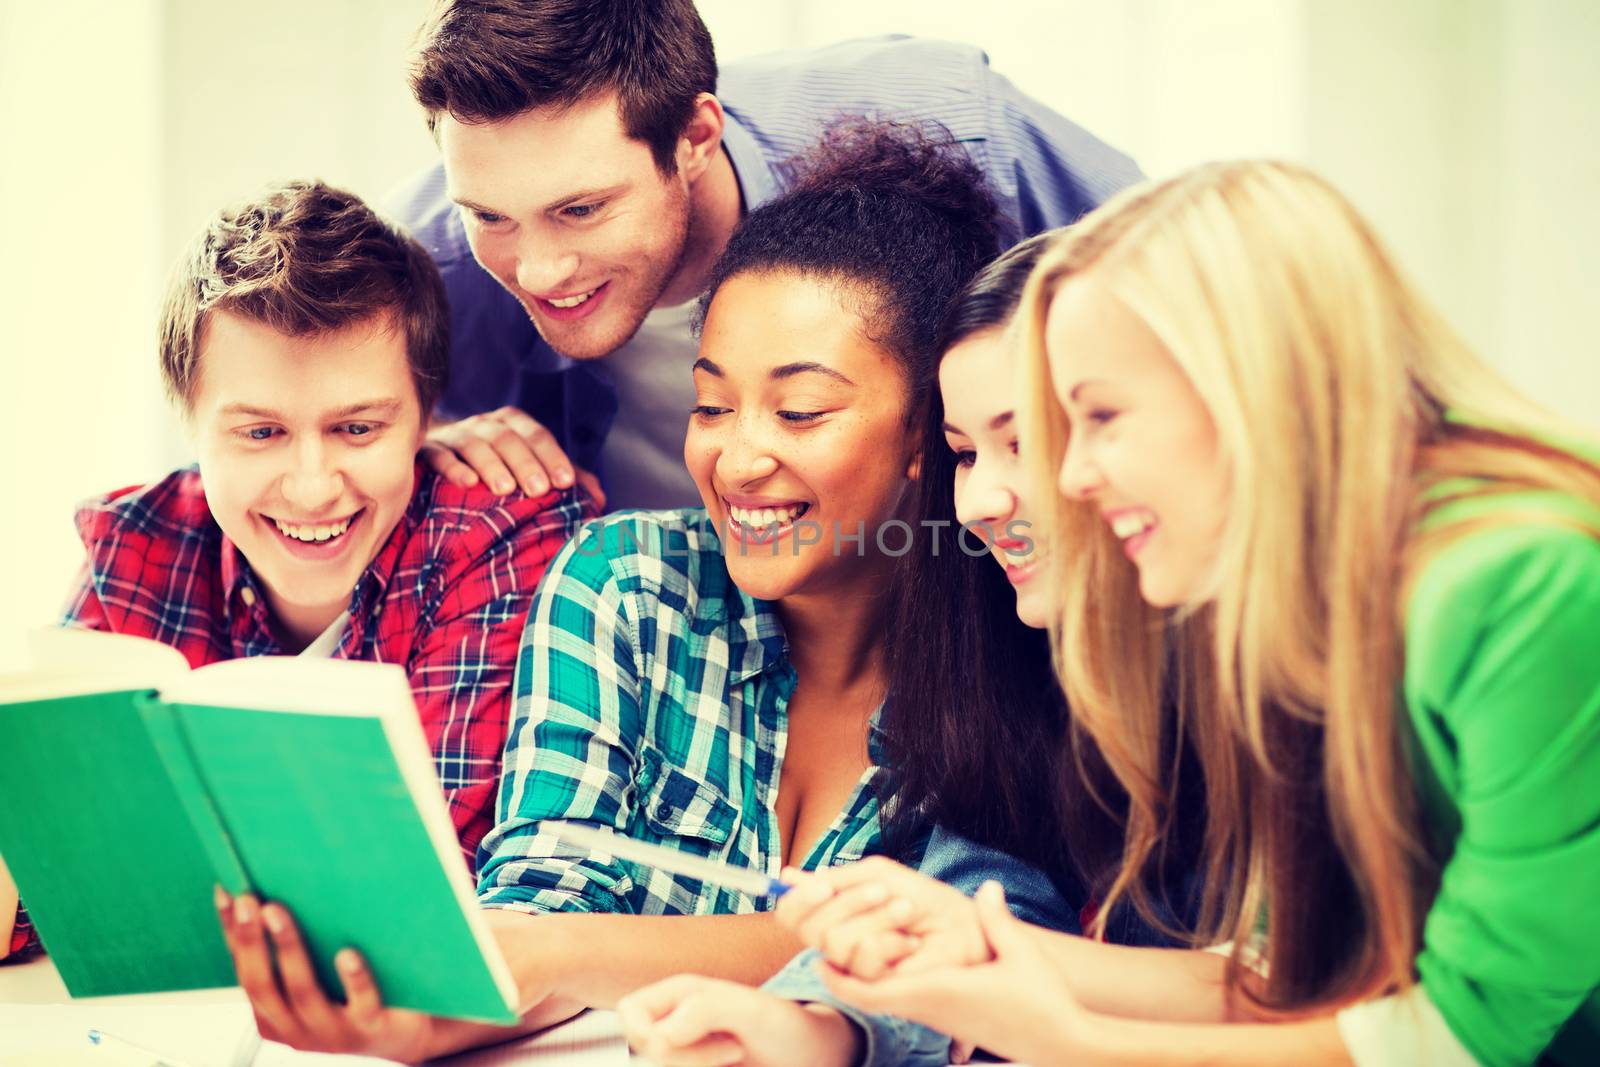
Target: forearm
563,963
1109,1042
593,960
454,1035
1167,984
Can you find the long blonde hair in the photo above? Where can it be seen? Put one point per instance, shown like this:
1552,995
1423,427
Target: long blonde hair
1328,379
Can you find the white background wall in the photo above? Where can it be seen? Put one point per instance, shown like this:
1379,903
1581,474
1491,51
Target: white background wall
1465,128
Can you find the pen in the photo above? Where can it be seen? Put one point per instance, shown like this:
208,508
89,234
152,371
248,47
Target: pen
672,861
100,1037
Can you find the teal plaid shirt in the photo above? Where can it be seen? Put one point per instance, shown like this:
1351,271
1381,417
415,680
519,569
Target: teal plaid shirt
651,698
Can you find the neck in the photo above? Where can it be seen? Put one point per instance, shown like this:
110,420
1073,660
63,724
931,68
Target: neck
715,208
297,625
835,637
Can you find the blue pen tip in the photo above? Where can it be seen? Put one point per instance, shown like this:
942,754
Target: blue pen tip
94,1037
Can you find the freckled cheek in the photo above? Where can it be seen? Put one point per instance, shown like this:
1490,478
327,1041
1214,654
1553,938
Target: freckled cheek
700,450
860,473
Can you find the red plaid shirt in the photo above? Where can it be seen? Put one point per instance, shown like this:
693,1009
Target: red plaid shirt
446,596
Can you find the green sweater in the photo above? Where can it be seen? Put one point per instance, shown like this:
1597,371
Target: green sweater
1502,689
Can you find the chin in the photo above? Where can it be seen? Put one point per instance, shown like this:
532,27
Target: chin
1033,616
758,581
1158,595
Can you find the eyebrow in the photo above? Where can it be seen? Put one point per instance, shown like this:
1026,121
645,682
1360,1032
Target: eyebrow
566,201
1073,393
380,406
998,422
787,370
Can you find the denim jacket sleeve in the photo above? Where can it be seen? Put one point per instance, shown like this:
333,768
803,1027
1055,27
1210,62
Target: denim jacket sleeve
891,1041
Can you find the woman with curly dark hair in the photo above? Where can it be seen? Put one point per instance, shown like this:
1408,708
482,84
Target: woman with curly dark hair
977,745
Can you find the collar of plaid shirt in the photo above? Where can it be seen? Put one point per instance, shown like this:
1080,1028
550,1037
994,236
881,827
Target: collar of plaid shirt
170,528
650,699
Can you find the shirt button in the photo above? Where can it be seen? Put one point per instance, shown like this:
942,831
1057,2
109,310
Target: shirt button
248,595
663,811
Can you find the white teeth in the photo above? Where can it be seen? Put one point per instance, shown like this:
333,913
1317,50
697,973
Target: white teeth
1131,524
760,518
320,532
572,301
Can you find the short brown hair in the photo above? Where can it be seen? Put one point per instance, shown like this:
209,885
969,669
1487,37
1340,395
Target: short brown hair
305,258
488,60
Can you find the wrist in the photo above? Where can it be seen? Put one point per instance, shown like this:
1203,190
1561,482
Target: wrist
838,1040
535,965
1087,1039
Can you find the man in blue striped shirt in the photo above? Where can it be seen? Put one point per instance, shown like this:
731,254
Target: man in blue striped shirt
595,161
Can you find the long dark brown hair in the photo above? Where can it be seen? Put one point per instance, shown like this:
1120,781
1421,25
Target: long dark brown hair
977,732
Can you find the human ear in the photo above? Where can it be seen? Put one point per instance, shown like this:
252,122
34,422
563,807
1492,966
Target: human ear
914,468
701,138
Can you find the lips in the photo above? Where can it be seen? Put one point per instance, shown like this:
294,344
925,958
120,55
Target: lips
573,305
757,521
1019,558
314,541
1133,527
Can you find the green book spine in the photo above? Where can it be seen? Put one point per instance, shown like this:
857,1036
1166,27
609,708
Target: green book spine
173,747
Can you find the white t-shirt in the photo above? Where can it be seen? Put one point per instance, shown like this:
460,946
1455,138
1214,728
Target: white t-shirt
643,451
324,644
1403,1030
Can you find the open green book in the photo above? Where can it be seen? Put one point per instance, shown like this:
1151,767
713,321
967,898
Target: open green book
131,786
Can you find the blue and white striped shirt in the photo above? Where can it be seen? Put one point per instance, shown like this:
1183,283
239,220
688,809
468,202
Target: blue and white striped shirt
1045,171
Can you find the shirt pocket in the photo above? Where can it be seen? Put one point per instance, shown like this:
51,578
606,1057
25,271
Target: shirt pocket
679,810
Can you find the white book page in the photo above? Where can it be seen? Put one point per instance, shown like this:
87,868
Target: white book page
70,662
593,1039
296,684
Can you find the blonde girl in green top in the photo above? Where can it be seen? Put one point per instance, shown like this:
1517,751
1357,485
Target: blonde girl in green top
1288,492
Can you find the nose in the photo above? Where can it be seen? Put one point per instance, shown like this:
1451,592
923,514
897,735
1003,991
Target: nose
1079,478
544,266
982,497
744,459
313,482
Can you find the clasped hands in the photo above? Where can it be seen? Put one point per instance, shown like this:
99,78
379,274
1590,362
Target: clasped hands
892,941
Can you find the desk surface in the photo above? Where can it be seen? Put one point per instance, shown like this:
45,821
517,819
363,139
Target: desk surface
36,982
40,1023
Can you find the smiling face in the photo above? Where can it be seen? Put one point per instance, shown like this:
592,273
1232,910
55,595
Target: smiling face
798,436
307,448
572,216
976,384
1142,448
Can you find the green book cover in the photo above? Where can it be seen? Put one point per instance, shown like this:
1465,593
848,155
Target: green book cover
305,781
114,876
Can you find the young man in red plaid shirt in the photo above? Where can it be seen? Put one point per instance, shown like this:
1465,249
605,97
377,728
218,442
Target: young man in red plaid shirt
304,339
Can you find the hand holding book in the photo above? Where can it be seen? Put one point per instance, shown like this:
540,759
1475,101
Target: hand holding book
306,781
289,1003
